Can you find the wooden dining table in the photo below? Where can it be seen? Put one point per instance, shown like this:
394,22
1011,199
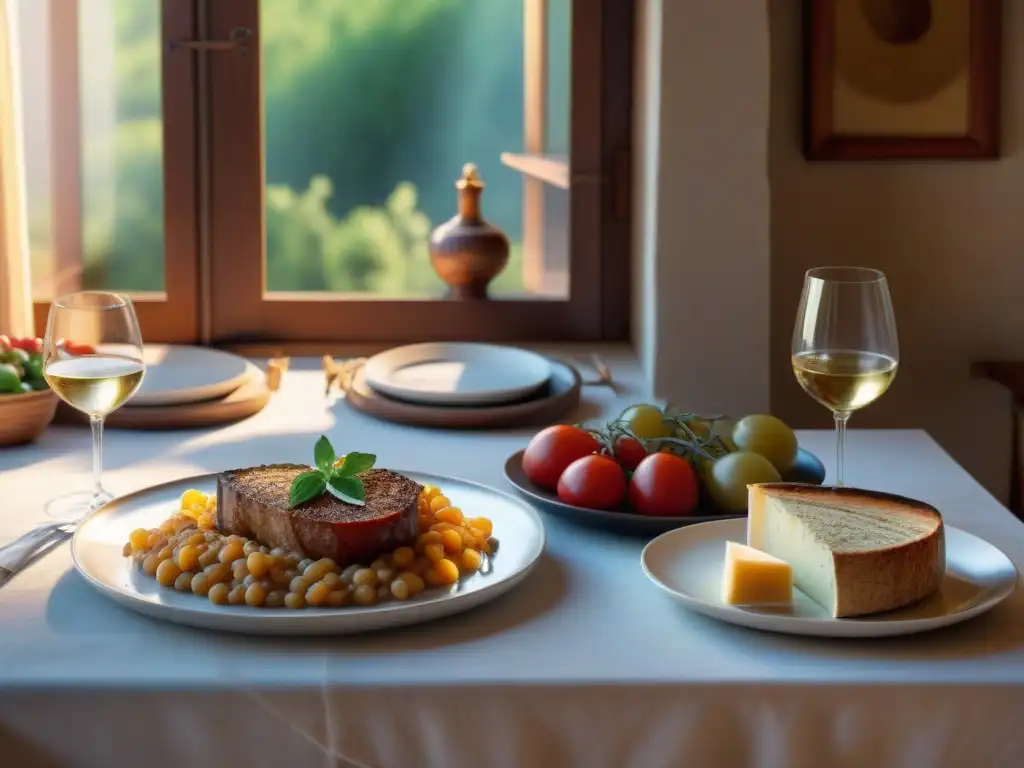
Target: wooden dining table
586,663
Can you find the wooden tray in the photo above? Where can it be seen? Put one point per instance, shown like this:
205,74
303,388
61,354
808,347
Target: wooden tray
559,398
248,400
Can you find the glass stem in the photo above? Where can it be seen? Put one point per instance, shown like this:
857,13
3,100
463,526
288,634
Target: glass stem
97,455
841,418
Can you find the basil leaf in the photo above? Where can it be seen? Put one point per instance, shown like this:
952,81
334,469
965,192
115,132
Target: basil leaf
348,489
306,486
323,454
355,463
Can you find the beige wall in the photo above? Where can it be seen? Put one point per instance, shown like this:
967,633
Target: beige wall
950,237
724,260
701,302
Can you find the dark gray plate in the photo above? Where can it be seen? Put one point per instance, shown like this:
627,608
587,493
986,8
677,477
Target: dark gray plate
808,469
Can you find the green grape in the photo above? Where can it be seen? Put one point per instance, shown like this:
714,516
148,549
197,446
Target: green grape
769,437
723,430
728,477
647,421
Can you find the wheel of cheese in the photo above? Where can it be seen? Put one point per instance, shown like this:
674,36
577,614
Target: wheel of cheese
854,552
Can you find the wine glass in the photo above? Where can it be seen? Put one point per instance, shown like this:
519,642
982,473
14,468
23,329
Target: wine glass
92,359
845,351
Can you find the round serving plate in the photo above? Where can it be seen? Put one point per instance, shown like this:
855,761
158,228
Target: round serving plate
241,403
808,469
454,373
98,542
688,564
556,399
181,374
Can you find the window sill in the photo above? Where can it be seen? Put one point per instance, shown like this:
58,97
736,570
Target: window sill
550,169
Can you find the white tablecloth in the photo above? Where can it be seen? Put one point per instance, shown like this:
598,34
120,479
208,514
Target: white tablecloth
586,664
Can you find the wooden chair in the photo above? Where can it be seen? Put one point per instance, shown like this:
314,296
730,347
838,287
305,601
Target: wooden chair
1010,373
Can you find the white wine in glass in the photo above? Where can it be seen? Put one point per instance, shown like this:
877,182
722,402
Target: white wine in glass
845,350
93,361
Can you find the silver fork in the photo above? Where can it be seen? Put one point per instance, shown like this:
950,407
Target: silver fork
22,551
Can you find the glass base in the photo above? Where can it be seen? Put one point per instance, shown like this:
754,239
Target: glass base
75,506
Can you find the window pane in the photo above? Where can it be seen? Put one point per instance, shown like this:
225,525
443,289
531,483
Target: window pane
116,161
559,54
371,110
33,25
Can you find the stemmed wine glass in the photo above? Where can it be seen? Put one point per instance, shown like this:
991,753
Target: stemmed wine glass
845,351
92,359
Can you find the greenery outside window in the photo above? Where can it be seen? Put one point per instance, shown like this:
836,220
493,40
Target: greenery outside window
270,170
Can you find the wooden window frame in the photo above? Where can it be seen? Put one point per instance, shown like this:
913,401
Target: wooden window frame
170,315
239,310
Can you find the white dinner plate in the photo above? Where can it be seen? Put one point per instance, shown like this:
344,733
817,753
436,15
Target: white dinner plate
181,374
687,563
457,373
98,542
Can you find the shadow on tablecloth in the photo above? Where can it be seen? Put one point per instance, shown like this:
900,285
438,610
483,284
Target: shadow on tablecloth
1000,630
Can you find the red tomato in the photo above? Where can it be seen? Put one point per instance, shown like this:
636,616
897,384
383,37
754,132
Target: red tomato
5,343
79,349
552,450
595,482
30,345
629,452
664,485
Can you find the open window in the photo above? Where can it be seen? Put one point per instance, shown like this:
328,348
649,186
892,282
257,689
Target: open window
268,170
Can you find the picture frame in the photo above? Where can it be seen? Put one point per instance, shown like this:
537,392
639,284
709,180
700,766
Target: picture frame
899,79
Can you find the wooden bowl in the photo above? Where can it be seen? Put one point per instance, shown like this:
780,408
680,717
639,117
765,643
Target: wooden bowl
24,416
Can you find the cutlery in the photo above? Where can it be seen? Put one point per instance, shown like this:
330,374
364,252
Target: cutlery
21,552
340,373
604,375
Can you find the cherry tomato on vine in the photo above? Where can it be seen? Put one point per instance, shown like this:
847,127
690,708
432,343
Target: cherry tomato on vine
594,482
664,485
552,450
629,453
79,349
29,344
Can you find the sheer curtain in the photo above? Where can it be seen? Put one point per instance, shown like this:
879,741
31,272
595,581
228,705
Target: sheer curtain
15,287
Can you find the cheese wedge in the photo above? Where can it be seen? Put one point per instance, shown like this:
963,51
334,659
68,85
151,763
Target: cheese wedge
853,552
752,577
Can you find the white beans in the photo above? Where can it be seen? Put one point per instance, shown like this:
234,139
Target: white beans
187,553
365,577
317,594
184,582
219,594
255,594
400,589
364,594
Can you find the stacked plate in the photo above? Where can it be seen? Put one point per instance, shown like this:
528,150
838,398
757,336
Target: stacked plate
463,385
187,387
178,375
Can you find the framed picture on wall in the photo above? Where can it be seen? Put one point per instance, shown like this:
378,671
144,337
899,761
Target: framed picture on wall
887,79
